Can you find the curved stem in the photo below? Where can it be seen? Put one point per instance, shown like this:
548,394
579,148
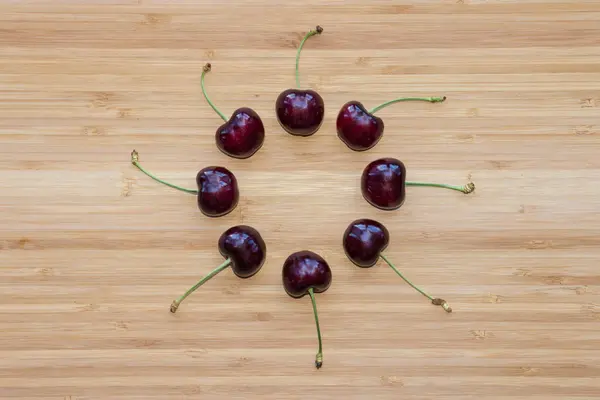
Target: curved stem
204,71
434,301
212,273
135,161
319,358
387,103
468,188
310,33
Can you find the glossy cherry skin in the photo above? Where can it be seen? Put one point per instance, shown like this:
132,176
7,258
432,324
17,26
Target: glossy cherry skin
304,270
246,249
242,135
383,183
300,112
218,192
364,240
358,129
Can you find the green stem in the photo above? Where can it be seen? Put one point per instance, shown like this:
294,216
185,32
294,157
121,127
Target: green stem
135,161
204,71
319,358
468,188
212,273
310,33
434,301
387,103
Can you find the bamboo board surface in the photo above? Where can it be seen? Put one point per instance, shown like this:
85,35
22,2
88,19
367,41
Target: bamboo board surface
92,252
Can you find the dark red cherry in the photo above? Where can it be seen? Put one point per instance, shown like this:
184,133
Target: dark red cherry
242,135
218,192
300,112
244,250
360,129
364,240
357,128
306,272
383,183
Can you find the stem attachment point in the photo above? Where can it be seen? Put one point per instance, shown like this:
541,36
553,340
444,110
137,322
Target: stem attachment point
174,306
441,302
206,67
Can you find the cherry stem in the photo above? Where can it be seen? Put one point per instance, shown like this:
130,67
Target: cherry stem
434,301
204,71
468,188
319,358
212,273
135,161
316,31
387,103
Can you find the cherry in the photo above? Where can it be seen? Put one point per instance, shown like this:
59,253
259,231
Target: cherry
300,112
364,240
218,192
383,184
243,134
244,251
305,272
360,129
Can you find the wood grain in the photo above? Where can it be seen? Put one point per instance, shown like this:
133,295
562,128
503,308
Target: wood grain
92,252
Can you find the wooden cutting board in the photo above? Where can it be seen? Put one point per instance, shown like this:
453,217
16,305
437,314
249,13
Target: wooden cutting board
92,252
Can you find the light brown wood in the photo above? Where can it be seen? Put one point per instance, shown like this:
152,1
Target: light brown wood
92,252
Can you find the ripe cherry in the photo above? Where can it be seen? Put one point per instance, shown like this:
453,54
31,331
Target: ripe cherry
243,134
244,251
383,184
364,241
218,193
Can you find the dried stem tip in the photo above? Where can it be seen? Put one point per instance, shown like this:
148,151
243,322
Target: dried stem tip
319,361
469,188
174,306
135,157
443,303
206,67
319,29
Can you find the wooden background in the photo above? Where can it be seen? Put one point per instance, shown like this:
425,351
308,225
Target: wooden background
92,252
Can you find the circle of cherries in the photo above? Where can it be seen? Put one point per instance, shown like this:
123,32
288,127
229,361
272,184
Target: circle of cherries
300,112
